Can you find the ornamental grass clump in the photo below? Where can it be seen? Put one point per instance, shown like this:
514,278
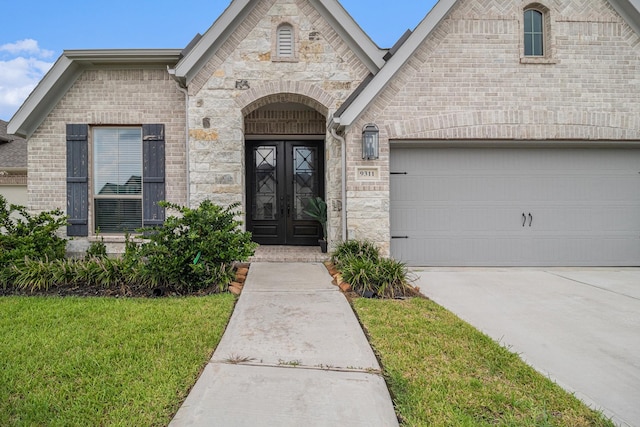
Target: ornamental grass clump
369,274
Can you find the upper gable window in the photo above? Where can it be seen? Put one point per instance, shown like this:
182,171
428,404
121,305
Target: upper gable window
285,41
533,33
537,44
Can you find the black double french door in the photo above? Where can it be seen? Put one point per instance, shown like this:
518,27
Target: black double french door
281,178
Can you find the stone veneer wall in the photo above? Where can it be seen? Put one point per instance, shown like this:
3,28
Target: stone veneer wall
468,82
321,76
107,97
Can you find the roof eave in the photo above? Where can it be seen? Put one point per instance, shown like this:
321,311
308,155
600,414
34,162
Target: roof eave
368,52
212,39
64,73
386,74
348,29
51,86
630,11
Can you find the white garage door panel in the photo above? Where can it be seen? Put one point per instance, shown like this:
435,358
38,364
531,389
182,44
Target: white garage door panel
465,206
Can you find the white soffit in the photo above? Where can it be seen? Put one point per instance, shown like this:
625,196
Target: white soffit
64,73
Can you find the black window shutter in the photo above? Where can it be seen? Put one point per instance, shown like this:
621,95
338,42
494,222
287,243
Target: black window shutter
153,174
77,179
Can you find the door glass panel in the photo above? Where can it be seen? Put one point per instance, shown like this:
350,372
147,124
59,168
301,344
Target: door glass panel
305,179
265,203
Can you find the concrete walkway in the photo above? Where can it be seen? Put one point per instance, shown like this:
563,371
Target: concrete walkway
293,354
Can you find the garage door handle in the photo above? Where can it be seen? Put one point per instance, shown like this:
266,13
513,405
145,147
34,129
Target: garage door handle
530,219
524,219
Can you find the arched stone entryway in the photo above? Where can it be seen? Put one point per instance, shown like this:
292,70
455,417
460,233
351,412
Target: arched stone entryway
284,168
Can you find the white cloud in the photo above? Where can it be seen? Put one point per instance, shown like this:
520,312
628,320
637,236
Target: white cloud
28,46
22,66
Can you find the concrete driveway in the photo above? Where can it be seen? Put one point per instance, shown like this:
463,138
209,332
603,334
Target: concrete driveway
579,326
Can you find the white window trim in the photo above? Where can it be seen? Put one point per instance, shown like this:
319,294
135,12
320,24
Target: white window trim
93,232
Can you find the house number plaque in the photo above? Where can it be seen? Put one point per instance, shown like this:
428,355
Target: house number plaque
367,174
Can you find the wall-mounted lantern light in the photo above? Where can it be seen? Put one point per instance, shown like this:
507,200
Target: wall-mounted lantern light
370,142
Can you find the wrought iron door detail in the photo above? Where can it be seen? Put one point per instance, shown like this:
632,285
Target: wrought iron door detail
281,178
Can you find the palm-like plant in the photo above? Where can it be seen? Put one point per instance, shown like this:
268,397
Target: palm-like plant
317,209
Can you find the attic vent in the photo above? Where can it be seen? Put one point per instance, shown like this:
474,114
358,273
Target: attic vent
285,41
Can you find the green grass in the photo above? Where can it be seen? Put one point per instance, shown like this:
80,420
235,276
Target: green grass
443,372
103,361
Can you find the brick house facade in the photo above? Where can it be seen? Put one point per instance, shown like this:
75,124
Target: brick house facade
268,108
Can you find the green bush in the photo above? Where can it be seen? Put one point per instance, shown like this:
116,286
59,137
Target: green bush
192,251
97,249
368,273
195,249
354,248
23,235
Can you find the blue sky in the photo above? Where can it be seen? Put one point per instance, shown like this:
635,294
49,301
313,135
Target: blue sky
34,33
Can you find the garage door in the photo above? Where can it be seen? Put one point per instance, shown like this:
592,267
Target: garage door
515,207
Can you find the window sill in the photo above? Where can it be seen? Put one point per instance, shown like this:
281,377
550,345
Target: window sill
113,238
537,60
284,59
107,238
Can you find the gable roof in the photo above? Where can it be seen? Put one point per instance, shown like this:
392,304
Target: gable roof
345,117
186,63
65,72
13,150
342,23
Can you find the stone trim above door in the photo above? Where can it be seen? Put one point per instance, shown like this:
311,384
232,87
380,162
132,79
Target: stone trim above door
308,94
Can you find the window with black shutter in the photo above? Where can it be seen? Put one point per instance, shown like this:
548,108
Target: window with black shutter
128,168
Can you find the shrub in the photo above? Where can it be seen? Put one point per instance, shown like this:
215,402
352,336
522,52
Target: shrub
97,249
194,250
354,248
368,273
383,278
23,235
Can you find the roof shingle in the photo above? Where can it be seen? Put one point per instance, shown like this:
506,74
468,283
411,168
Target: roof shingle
13,150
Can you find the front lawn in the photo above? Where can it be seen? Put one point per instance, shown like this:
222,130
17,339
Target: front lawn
443,372
103,361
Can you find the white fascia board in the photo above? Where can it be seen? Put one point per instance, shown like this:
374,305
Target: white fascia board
64,73
350,31
630,11
212,39
21,124
395,63
134,56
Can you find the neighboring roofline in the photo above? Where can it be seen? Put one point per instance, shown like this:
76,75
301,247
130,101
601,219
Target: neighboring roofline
628,9
382,79
196,58
64,73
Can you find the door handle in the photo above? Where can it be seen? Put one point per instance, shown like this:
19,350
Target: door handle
530,219
524,219
281,205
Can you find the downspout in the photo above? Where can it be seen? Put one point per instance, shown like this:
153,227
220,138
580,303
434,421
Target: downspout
343,151
183,89
186,141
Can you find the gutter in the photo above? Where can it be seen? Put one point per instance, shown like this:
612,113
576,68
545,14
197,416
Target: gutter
183,89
